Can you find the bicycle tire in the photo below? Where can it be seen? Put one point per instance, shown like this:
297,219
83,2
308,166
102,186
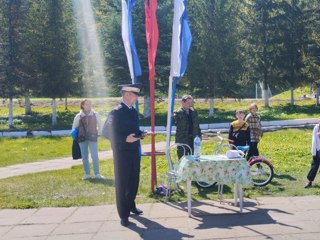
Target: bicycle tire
261,172
205,185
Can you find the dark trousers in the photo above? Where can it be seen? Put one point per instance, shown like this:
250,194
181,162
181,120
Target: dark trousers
127,176
185,151
253,150
314,167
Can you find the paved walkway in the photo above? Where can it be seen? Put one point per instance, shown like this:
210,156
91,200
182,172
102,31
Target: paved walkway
263,218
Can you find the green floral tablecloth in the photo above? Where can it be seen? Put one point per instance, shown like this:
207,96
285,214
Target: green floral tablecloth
213,168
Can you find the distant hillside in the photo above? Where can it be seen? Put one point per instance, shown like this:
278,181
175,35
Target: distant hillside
299,93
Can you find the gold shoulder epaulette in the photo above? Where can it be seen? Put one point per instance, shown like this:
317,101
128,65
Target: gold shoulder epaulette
119,106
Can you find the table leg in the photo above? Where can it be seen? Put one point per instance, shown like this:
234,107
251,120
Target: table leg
236,194
241,197
220,191
189,197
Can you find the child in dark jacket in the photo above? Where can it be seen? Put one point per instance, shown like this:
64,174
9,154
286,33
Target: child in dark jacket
239,131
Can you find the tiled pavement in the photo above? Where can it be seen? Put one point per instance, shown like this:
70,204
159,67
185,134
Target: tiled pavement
263,218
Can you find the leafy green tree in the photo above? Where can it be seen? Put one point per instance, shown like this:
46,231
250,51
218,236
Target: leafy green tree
3,42
215,62
294,38
12,40
311,58
260,40
57,55
32,26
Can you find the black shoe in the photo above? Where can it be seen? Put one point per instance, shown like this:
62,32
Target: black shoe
309,184
124,222
136,211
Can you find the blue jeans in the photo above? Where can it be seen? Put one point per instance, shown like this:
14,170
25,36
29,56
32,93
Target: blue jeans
85,156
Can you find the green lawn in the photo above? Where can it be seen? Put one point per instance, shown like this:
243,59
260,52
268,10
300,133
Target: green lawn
26,150
288,150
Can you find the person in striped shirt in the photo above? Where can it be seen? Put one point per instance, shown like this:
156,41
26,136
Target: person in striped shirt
253,119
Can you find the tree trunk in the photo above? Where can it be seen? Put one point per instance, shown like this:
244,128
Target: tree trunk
27,107
266,97
54,112
291,96
211,108
265,94
10,116
146,110
66,103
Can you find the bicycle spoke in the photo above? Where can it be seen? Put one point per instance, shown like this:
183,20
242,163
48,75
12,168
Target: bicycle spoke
261,173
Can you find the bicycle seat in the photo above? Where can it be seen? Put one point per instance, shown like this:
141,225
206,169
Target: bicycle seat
243,148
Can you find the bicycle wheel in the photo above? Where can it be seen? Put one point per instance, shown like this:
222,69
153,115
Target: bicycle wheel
205,185
261,172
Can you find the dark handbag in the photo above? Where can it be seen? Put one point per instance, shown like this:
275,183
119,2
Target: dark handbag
76,152
235,134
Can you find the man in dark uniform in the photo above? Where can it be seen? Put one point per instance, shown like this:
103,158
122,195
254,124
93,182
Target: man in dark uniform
187,124
122,129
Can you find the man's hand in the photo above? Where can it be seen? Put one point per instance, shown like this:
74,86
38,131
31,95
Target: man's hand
131,138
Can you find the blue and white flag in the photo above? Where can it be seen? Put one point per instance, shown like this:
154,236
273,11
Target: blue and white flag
128,41
181,39
181,42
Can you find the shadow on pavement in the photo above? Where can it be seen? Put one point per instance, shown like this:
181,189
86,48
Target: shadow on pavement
227,216
155,231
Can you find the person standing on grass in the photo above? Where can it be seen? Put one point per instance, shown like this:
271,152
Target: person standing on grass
89,123
239,131
315,151
187,124
122,129
253,119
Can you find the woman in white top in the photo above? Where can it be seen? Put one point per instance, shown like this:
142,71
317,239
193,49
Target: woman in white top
89,124
315,151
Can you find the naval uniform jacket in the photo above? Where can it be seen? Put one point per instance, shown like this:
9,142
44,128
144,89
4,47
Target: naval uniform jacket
121,122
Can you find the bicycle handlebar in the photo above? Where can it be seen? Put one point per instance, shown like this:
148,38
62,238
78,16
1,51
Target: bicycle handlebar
222,139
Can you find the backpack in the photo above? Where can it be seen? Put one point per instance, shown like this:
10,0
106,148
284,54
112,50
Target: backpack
88,129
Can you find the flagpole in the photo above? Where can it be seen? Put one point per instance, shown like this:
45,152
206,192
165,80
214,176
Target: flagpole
169,116
152,37
153,149
181,42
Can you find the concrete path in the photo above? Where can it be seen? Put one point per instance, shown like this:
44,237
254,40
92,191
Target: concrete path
60,163
263,218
